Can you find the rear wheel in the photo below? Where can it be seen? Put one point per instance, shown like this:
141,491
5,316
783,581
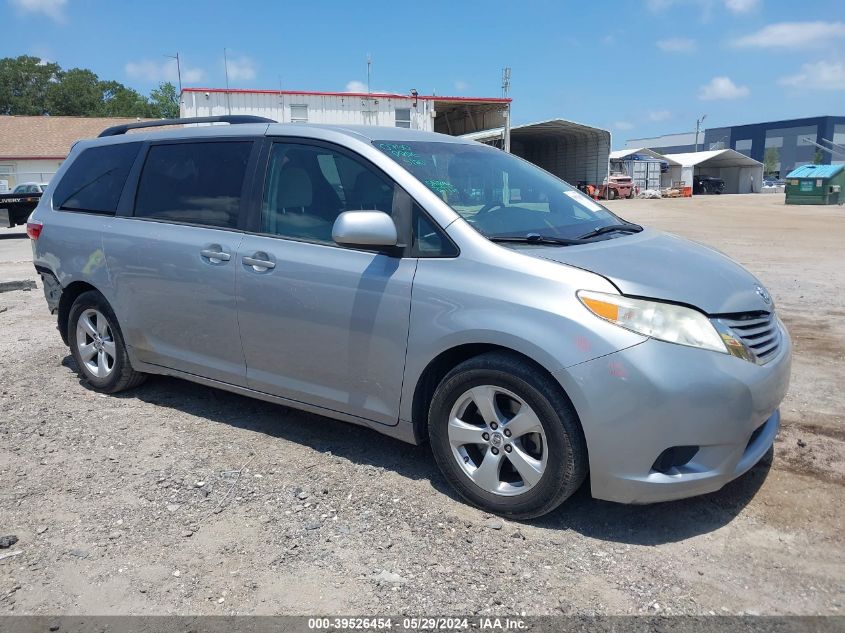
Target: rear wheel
506,437
611,194
97,345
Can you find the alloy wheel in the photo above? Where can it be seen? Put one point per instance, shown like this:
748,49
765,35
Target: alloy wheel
498,440
95,343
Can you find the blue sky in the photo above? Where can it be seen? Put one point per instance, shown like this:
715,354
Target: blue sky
636,67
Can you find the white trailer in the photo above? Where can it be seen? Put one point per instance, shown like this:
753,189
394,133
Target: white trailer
449,115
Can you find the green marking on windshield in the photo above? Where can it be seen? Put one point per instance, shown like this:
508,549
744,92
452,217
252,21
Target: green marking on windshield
441,186
402,153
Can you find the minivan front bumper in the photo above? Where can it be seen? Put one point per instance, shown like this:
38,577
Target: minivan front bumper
637,403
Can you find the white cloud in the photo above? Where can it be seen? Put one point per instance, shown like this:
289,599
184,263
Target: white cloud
742,6
722,88
818,76
356,86
53,9
609,39
659,115
677,45
461,86
623,125
241,68
155,72
794,35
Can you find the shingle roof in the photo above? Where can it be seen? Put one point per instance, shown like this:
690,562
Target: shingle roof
48,136
815,171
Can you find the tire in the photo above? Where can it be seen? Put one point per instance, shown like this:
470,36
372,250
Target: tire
610,194
97,346
553,454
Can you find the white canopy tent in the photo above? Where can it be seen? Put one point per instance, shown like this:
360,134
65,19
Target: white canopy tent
740,173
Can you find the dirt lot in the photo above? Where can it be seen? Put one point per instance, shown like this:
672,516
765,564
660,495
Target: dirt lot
176,498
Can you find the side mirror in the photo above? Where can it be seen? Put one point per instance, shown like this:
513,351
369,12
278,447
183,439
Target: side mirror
366,229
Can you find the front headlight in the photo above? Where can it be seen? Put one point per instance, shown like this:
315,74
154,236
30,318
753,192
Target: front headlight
663,321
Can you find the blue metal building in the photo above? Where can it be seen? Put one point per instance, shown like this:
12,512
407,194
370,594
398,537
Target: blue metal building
791,141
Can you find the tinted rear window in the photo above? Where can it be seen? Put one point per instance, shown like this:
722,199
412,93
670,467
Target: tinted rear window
95,180
194,183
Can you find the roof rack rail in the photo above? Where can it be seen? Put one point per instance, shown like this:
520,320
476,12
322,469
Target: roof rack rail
232,119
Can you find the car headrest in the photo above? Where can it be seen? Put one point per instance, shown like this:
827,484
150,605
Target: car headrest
295,189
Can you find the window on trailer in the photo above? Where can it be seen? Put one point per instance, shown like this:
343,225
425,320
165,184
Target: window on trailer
403,117
299,114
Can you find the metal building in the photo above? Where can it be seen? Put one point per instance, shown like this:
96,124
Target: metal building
575,152
788,143
647,168
449,115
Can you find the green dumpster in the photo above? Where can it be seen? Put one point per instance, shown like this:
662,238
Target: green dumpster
816,184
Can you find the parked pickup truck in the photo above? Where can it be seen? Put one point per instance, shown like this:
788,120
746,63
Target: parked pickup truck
15,207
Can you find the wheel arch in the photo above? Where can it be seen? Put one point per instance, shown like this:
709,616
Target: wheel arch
447,360
69,295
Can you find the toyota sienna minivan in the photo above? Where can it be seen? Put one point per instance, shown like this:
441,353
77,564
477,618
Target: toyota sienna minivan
428,287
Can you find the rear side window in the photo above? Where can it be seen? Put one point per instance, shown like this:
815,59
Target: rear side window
94,181
194,183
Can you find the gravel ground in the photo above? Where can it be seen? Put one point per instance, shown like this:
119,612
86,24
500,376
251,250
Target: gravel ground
175,498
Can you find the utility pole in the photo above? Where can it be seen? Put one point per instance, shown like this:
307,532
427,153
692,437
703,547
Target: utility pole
178,71
369,68
698,123
226,70
506,86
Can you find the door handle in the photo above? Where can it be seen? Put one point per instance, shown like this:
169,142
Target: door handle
216,255
259,262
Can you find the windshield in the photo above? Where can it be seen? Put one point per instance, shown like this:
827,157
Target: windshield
499,194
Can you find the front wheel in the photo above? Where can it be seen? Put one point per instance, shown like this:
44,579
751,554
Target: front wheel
506,437
97,345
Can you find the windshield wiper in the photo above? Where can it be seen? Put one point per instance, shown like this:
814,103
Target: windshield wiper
612,228
535,238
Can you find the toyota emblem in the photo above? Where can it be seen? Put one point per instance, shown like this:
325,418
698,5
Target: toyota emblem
764,294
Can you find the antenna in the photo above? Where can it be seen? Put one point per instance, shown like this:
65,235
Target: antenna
369,67
506,87
226,70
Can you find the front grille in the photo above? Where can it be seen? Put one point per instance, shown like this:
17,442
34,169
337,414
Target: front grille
759,332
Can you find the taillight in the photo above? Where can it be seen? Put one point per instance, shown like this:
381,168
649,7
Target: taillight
33,229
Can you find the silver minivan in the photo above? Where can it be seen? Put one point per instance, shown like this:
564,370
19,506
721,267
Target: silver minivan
428,287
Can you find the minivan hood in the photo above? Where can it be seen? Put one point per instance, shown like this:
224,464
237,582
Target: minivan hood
664,266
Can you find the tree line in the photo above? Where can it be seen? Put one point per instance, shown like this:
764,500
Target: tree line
32,86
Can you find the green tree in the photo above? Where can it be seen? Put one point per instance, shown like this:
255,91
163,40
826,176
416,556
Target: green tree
771,160
24,83
817,157
164,102
77,92
118,100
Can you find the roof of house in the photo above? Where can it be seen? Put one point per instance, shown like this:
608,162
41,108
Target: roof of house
815,171
48,137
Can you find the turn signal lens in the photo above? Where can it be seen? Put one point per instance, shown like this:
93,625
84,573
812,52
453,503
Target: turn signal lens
656,319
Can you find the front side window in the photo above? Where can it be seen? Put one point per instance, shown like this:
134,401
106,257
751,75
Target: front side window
307,187
94,181
499,194
194,183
